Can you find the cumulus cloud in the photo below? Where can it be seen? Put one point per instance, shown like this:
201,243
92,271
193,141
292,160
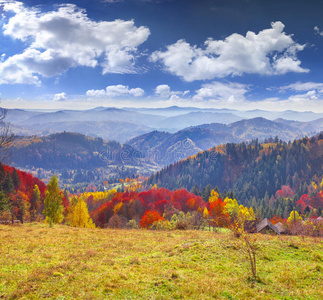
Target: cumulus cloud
269,52
60,97
66,38
164,91
96,93
317,31
116,91
230,92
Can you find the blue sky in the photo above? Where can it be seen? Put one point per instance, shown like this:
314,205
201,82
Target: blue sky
241,54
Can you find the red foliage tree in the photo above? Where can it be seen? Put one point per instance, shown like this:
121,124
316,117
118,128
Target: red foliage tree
277,219
149,218
285,192
218,215
134,204
317,200
303,201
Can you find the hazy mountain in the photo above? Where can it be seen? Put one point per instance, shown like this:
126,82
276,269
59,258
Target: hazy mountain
94,115
248,114
124,124
167,112
262,128
317,124
108,130
305,127
18,115
165,148
193,139
287,115
197,118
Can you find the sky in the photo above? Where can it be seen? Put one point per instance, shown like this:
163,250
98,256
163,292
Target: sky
236,54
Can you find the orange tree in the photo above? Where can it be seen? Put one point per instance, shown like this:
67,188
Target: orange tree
150,217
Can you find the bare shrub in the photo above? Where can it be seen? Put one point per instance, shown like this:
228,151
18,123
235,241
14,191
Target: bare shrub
117,222
181,225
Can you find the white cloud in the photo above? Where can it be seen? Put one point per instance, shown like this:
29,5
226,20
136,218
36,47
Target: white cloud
116,91
164,91
269,52
313,93
137,92
303,86
60,97
317,31
66,38
230,92
310,95
95,93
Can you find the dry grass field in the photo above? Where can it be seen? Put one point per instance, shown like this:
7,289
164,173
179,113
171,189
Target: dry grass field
38,262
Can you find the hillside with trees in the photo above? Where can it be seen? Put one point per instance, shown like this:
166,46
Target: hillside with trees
271,177
77,158
21,195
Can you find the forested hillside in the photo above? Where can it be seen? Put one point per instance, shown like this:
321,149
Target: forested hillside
21,194
254,172
77,158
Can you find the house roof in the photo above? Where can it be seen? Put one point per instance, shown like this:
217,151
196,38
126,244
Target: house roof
266,223
280,227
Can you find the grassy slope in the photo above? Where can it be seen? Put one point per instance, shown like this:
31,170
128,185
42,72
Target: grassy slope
37,262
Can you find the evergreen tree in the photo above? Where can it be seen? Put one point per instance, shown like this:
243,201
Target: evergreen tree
15,179
8,185
2,173
4,202
53,203
307,211
195,190
206,193
35,203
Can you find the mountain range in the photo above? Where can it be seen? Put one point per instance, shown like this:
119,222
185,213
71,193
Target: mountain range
125,124
166,148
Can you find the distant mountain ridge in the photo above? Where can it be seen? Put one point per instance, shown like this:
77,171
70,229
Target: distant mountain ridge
193,139
124,124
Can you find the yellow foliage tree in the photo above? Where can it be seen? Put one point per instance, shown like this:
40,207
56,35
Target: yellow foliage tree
294,216
117,207
245,214
232,207
205,213
79,215
214,196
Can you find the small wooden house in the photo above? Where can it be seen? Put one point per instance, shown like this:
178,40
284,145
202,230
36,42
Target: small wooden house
281,228
265,226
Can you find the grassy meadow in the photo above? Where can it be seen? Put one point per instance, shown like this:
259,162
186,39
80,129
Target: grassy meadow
38,262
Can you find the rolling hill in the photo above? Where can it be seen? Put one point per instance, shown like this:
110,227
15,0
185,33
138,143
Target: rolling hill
78,158
191,140
254,172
